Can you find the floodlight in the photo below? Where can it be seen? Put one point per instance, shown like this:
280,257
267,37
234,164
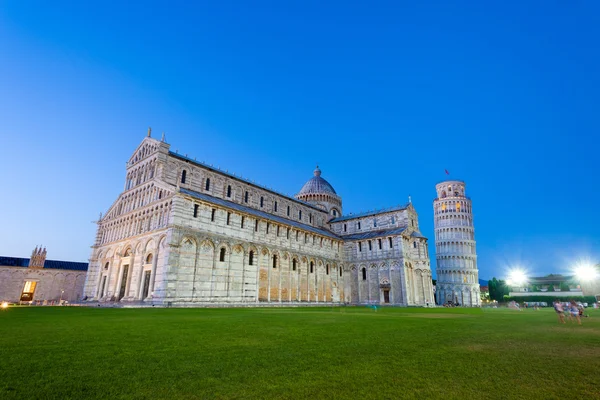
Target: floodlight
4,304
586,272
517,277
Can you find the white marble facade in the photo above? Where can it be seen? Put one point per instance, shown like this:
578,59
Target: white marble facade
185,233
457,273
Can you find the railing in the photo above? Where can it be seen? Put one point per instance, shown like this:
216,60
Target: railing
452,197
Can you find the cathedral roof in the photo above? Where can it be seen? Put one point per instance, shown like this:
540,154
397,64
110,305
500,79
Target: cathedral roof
369,213
317,185
244,180
417,234
374,234
258,213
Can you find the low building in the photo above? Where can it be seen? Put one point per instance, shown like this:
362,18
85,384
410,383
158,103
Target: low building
484,292
555,285
37,280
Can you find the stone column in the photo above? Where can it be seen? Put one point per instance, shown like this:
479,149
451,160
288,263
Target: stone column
140,285
424,284
153,271
379,284
243,290
99,284
368,284
358,277
269,278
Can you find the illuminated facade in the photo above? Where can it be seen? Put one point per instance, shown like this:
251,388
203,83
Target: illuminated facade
456,269
39,281
185,233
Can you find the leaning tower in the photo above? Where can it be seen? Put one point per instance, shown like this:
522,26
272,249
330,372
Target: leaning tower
457,275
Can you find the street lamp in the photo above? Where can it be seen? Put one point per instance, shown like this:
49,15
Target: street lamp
61,294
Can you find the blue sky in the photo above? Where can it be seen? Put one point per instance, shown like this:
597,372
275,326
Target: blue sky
384,96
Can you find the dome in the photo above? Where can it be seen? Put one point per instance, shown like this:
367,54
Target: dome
317,185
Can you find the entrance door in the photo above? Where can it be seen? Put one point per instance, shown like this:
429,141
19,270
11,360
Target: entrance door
103,286
28,291
123,282
386,296
146,284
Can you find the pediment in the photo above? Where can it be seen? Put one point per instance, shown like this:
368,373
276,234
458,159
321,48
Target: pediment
148,147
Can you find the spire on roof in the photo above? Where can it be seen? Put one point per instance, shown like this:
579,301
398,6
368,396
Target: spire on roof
149,131
317,171
163,137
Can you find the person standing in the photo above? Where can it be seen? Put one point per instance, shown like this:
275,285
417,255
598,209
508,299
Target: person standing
558,307
575,311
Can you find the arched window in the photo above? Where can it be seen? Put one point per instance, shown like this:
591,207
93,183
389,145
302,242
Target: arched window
262,201
183,173
251,258
207,186
228,190
294,264
340,271
364,274
222,255
457,206
327,269
415,245
106,266
149,258
443,193
288,211
275,207
127,253
274,260
311,267
246,197
300,215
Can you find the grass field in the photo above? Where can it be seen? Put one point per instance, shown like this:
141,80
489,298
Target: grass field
87,353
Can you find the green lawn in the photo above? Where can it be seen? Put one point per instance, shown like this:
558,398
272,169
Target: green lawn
333,353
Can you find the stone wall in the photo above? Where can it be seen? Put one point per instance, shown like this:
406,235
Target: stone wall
49,283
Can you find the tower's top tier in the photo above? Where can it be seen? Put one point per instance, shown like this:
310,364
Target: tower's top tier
450,188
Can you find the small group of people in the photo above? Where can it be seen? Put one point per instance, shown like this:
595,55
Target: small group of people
451,304
573,311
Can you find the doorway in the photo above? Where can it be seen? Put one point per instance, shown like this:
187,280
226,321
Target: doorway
386,296
28,291
123,282
146,284
103,286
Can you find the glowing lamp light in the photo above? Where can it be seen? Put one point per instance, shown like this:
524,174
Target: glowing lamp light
586,272
4,305
517,277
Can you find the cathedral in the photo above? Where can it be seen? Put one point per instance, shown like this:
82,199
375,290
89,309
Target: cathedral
183,233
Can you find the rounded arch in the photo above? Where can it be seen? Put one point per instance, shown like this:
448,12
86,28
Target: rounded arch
127,251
